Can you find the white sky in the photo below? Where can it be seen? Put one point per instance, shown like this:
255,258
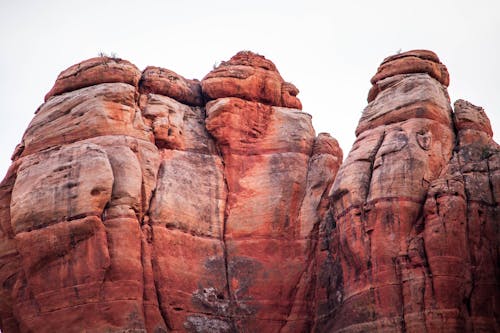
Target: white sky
328,49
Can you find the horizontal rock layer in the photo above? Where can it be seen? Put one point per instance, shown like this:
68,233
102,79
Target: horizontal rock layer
414,216
148,202
134,205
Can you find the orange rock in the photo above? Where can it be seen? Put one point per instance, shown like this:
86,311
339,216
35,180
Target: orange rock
405,209
72,182
422,54
165,82
136,207
176,125
416,61
95,71
471,117
461,218
251,128
203,214
103,109
251,77
406,97
289,96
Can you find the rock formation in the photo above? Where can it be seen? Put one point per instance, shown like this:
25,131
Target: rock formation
415,211
138,203
147,202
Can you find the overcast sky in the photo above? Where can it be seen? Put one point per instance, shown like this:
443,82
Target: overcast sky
328,49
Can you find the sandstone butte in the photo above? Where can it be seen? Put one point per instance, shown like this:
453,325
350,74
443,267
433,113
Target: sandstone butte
147,202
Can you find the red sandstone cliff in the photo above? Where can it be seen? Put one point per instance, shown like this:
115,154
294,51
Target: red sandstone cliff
415,211
146,202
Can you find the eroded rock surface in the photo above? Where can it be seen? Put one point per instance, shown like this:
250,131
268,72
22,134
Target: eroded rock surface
148,202
414,212
134,206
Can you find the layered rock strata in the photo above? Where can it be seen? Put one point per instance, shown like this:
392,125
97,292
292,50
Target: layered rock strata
147,202
152,203
415,211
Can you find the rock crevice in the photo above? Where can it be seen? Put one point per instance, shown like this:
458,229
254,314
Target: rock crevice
148,202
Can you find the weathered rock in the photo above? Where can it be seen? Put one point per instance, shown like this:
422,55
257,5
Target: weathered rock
165,82
9,253
405,204
249,128
176,125
95,71
266,152
407,97
470,117
135,207
461,217
251,77
103,109
151,211
73,181
323,166
417,61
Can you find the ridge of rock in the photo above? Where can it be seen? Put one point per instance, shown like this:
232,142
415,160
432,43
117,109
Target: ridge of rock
410,62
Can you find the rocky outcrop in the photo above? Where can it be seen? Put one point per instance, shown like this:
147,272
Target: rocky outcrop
95,71
133,205
414,211
251,78
148,202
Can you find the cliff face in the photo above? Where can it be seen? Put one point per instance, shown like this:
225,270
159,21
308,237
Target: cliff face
415,210
146,202
138,203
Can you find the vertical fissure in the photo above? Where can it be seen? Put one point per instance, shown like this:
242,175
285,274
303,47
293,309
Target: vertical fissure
146,220
399,276
311,248
159,297
472,260
490,183
372,158
223,236
232,299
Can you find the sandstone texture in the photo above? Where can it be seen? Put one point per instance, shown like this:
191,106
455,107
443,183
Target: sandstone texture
251,78
414,211
148,202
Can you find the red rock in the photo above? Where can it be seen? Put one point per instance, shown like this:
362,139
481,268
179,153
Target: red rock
323,167
165,82
72,182
404,98
251,128
251,77
266,152
416,61
422,54
203,214
184,223
461,218
137,207
175,125
103,109
288,96
401,269
9,254
95,71
470,117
